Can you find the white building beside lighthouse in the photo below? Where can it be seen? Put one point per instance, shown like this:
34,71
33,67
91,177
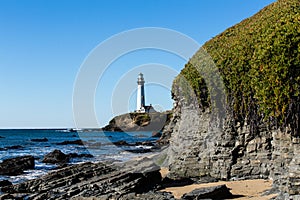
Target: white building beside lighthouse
140,98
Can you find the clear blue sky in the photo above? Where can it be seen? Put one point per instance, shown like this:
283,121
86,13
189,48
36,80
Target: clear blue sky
43,44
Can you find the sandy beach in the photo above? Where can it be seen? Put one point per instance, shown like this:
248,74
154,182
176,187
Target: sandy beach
242,190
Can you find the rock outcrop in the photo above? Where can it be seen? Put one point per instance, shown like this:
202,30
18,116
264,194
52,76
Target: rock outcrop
98,180
139,122
58,157
246,141
39,140
4,183
77,142
216,192
16,166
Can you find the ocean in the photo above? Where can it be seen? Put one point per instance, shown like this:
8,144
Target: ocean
18,142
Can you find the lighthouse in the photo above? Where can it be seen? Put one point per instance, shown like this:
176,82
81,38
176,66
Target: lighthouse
140,99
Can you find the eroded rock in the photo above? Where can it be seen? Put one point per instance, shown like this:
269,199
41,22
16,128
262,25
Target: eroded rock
216,193
99,180
56,157
15,166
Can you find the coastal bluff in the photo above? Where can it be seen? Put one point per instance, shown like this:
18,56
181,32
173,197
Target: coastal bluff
257,135
136,121
251,132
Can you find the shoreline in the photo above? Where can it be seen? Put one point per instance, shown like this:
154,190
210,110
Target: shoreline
140,170
241,189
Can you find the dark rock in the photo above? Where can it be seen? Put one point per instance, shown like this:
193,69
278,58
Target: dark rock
149,196
39,140
156,134
4,183
72,130
204,179
167,182
7,196
100,180
145,143
56,157
1,137
139,150
15,166
216,192
84,155
14,147
78,142
121,143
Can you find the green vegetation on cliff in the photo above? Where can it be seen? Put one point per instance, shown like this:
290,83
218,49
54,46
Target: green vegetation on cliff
259,61
139,122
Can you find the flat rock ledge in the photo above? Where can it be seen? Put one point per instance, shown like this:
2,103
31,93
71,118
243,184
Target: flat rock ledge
16,166
132,180
137,179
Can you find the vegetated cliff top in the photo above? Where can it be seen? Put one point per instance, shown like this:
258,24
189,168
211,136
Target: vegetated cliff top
259,62
139,122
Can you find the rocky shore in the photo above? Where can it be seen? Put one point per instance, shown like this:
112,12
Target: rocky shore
102,180
228,142
137,179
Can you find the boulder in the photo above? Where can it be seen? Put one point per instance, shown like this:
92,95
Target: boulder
15,166
4,183
167,182
121,143
149,196
14,147
7,196
56,157
215,192
84,155
139,150
78,142
39,140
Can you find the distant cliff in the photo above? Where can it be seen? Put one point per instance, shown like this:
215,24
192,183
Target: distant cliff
257,134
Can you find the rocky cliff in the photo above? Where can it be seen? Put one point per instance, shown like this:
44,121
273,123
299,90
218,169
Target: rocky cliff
252,129
139,122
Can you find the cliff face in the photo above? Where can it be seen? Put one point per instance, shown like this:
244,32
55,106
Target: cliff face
254,131
198,148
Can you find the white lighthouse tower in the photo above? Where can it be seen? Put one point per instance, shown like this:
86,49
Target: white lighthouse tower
140,99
